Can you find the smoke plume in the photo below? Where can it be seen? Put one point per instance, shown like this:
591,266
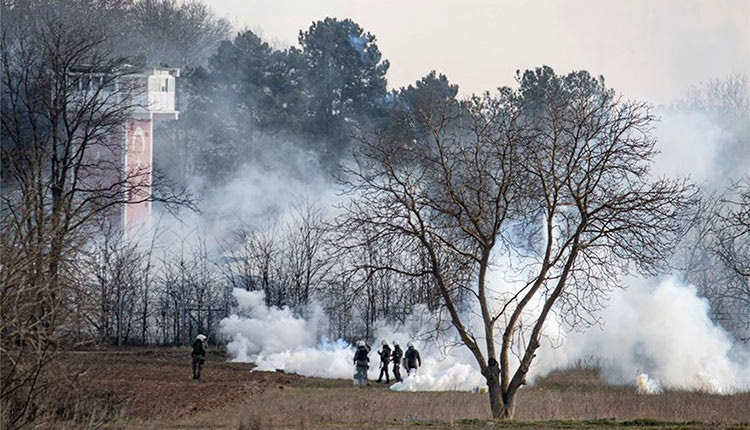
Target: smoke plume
661,329
655,334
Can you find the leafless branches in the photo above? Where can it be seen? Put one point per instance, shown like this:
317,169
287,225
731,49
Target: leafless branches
65,100
458,187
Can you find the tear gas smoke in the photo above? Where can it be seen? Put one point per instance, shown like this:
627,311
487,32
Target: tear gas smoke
664,328
645,385
274,338
708,147
679,130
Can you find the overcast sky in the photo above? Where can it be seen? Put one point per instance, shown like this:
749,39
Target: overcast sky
646,49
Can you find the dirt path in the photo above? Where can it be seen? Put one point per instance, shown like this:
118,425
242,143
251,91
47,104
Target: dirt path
156,385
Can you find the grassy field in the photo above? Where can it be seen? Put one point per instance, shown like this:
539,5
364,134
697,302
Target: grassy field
152,389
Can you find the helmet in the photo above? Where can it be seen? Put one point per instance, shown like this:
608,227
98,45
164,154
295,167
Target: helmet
360,343
395,342
384,343
201,337
410,344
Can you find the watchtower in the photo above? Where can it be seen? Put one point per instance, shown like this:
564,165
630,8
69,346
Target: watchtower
125,158
157,102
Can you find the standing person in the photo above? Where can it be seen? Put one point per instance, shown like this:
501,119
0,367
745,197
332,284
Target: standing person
199,355
398,353
385,358
361,361
412,358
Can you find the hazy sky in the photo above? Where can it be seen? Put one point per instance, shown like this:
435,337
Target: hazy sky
647,49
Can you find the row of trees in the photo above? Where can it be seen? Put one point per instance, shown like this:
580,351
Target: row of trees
250,98
552,176
61,177
66,278
715,254
152,32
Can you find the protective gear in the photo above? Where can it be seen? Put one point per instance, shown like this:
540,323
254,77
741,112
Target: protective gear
395,342
201,337
410,344
361,361
383,343
396,358
385,357
412,360
199,356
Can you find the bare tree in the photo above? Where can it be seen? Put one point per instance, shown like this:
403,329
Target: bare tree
288,261
65,100
732,247
303,255
250,259
714,252
716,256
177,33
191,291
562,152
729,96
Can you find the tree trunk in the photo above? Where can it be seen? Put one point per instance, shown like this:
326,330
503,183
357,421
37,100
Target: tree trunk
493,388
492,375
509,403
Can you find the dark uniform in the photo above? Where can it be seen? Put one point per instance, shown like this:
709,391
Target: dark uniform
199,356
361,361
385,358
412,359
396,356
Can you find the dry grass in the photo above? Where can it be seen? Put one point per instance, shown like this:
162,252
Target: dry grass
624,404
153,390
574,396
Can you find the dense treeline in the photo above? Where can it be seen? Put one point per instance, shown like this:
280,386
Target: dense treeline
250,100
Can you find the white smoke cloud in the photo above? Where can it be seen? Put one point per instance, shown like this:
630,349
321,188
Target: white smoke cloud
257,329
274,338
646,385
325,360
447,373
689,142
662,329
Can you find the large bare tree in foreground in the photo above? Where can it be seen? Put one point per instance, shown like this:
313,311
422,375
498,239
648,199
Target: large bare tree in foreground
555,173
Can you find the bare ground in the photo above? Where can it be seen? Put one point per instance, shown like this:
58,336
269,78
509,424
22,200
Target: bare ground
153,389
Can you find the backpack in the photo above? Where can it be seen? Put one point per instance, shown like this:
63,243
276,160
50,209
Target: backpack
198,349
411,357
361,354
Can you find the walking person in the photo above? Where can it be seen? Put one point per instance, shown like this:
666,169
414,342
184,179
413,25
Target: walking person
198,355
396,356
412,359
385,358
361,362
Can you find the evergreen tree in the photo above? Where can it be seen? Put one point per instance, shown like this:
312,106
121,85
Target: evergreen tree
345,81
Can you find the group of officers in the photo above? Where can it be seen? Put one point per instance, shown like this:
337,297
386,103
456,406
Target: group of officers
409,359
